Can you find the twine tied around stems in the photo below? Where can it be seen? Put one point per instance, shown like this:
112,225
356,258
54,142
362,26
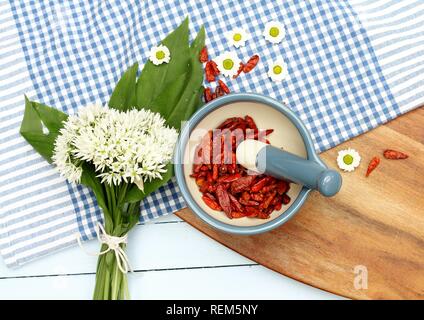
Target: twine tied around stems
113,243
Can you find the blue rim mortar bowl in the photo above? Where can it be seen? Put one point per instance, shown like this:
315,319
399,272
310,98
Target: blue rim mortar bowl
296,203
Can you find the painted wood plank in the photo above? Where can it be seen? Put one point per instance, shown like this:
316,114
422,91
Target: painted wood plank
250,282
151,246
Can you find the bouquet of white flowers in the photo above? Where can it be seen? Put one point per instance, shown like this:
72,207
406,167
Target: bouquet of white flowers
122,150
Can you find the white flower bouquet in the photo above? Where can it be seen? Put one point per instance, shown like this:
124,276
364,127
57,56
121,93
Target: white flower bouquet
123,150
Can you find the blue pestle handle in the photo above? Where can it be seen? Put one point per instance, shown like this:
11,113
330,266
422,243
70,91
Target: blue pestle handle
282,164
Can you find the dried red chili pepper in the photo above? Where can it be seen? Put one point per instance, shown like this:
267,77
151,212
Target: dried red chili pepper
278,206
394,155
226,185
211,203
251,203
251,63
269,188
282,187
286,199
268,200
236,214
200,181
203,57
207,94
257,197
240,70
252,212
214,67
210,196
215,169
219,92
212,188
264,215
223,86
242,184
245,195
206,145
224,199
209,72
250,122
226,123
260,184
235,203
372,165
229,178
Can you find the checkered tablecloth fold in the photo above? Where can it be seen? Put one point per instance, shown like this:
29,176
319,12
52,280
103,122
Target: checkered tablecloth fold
344,79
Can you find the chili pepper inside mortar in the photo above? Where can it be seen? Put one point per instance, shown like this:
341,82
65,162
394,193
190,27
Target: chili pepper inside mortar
226,185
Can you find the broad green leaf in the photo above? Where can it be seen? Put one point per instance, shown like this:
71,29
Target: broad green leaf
124,96
195,48
135,194
169,98
131,218
31,121
90,180
134,216
154,79
52,118
169,103
43,144
198,44
194,103
35,116
189,100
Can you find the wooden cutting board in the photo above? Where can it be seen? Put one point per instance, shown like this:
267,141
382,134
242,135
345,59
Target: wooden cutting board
375,223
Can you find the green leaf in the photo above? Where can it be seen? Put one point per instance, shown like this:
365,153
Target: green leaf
89,179
190,97
31,121
52,118
198,44
195,48
169,98
154,79
189,100
182,97
35,115
124,95
132,217
135,194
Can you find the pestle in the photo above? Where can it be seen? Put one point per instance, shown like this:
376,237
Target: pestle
264,158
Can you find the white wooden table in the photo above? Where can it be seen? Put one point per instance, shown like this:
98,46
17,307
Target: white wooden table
172,260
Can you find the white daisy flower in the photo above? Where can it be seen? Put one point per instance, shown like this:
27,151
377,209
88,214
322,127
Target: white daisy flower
274,32
228,63
237,37
159,55
348,159
277,70
133,146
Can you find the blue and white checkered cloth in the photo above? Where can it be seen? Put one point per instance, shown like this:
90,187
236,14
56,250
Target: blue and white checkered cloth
353,65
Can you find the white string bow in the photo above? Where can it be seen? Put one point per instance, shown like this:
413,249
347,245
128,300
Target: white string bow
113,243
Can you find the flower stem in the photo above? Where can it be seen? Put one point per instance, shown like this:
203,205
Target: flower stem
120,217
116,281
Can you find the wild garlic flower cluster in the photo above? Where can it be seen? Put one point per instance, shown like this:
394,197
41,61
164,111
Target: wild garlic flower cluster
132,146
